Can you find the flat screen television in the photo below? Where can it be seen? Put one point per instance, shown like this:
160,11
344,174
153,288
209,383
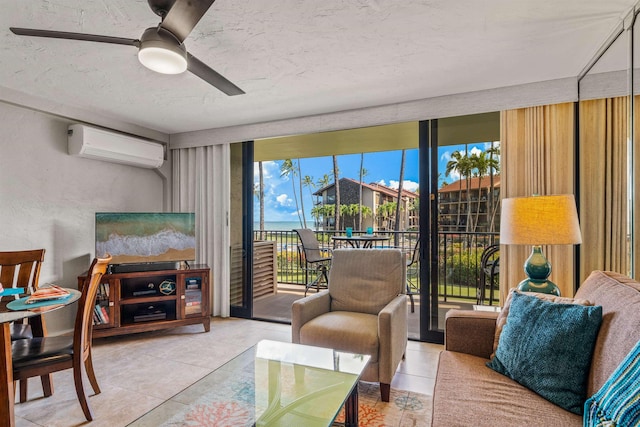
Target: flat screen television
139,238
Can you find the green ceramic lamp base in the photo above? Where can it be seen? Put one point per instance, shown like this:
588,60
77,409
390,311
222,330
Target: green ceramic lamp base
546,287
538,270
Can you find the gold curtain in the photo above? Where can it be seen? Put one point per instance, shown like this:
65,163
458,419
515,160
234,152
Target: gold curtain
537,145
603,185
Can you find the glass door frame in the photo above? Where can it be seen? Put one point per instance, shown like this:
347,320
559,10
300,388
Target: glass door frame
246,309
428,256
428,158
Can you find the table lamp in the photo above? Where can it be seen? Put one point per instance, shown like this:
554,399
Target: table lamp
539,220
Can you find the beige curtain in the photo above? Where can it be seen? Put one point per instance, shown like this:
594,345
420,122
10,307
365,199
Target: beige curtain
603,185
537,145
201,184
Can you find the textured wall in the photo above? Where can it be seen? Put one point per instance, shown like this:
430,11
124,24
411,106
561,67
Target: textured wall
48,199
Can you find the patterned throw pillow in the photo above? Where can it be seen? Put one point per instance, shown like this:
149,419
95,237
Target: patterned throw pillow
547,347
617,403
502,316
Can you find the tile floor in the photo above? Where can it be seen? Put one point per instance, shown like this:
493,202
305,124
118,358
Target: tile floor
138,372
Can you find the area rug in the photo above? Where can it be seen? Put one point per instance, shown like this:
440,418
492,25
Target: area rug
404,409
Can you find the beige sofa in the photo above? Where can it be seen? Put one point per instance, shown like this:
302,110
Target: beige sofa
468,393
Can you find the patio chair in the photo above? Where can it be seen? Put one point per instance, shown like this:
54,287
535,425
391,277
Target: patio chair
314,261
364,311
413,274
489,272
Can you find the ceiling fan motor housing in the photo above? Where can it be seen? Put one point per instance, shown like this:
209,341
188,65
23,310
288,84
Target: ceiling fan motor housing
162,52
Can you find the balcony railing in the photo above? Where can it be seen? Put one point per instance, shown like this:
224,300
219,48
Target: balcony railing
458,258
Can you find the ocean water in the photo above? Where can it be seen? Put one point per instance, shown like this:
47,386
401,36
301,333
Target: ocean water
282,225
145,246
144,234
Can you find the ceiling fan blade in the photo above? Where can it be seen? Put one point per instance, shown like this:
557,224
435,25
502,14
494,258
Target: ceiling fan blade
74,36
212,77
184,15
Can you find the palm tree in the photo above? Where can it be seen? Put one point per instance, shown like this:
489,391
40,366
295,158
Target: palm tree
261,197
365,211
324,181
345,212
459,163
363,172
307,181
288,169
317,213
396,228
494,166
336,181
483,165
385,211
304,216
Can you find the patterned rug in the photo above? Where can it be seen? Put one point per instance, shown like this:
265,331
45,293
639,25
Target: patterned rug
404,409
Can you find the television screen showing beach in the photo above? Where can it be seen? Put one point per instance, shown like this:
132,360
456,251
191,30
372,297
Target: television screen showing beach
146,237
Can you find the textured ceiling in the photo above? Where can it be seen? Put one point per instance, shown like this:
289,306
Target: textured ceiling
298,57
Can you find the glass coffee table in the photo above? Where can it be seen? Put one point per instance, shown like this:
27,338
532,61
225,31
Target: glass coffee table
270,384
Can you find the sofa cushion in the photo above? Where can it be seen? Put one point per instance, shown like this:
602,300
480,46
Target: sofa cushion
617,403
467,393
504,313
619,297
547,347
343,331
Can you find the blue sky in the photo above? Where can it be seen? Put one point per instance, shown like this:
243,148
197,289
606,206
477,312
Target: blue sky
382,167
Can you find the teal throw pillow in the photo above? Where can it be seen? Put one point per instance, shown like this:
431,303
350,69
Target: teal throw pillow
547,347
617,403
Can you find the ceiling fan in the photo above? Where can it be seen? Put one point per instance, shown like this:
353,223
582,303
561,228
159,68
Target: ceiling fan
161,48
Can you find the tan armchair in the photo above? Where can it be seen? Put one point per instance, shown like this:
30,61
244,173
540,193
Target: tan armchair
364,311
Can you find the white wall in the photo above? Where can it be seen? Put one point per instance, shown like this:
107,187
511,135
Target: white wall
48,199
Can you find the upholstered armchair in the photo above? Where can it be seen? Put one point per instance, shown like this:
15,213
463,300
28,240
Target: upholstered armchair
364,311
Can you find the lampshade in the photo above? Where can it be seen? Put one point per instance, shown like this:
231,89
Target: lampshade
161,52
540,220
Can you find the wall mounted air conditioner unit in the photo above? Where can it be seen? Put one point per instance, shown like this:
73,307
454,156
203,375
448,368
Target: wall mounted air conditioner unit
99,144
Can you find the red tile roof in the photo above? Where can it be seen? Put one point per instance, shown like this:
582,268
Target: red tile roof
474,183
374,187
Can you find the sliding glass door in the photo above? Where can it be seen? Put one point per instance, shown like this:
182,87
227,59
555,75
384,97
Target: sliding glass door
460,166
440,217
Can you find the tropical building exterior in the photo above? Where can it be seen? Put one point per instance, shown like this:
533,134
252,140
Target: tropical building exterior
378,203
470,205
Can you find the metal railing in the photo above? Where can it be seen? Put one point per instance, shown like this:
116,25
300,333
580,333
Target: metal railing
458,258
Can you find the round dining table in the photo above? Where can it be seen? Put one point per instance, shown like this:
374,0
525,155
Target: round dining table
11,310
360,241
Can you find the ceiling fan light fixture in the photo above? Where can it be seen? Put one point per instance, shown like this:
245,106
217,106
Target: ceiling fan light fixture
161,52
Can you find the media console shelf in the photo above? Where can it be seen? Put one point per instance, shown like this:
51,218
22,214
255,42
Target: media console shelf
150,300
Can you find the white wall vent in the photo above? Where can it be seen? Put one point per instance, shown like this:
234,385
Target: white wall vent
99,144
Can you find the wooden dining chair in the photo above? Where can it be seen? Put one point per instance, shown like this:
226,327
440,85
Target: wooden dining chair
21,269
44,355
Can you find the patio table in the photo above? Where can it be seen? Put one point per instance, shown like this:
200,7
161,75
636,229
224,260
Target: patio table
362,241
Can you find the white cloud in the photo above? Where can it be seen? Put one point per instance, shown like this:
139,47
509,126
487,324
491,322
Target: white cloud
446,156
268,169
454,175
284,200
382,182
406,185
475,150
